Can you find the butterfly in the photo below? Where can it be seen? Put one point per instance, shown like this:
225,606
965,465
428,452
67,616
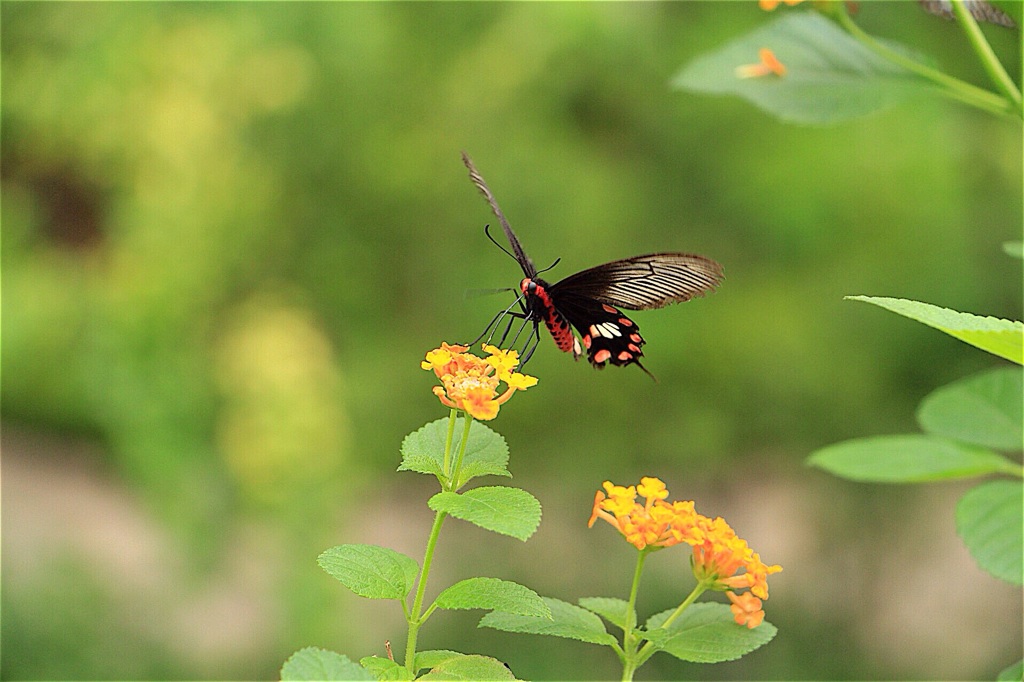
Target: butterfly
589,301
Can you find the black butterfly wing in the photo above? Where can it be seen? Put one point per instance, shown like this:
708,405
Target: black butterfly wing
524,261
643,282
606,333
589,298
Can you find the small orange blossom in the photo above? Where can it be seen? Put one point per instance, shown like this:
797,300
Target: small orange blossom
769,64
470,383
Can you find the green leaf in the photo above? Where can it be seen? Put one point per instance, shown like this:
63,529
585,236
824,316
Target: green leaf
486,451
384,668
908,459
469,667
989,520
567,620
615,611
1012,674
509,511
830,76
313,663
707,633
986,409
491,594
428,659
1015,249
371,571
1004,338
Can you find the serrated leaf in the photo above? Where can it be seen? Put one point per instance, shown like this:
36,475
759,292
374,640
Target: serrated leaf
385,669
371,571
509,511
491,594
469,667
707,633
567,620
910,458
313,663
830,76
986,409
615,611
486,451
430,658
1004,338
989,520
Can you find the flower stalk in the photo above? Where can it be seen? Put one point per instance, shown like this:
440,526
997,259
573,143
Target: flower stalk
952,87
986,55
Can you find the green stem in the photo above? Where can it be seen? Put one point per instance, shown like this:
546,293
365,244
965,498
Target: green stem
648,649
454,480
952,87
414,617
630,640
985,54
448,443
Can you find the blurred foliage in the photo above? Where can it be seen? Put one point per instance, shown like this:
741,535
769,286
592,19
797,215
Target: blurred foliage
231,231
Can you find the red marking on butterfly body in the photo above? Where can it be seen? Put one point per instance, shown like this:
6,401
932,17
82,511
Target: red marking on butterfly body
554,320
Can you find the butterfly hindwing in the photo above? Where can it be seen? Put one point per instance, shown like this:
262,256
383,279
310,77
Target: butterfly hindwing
607,334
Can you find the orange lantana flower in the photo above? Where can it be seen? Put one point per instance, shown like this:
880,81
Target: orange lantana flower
721,560
656,523
470,383
746,609
723,554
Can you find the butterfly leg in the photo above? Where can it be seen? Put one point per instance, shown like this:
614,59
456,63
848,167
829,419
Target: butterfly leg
529,349
492,326
508,328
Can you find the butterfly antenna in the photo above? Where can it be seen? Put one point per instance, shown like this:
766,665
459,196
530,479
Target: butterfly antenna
557,261
487,231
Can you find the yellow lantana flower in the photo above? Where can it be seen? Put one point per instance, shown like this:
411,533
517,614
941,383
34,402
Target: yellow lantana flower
470,383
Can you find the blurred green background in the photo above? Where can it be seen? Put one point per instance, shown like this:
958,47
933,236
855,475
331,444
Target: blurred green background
230,232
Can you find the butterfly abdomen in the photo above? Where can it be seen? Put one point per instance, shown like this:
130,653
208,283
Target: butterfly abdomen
540,302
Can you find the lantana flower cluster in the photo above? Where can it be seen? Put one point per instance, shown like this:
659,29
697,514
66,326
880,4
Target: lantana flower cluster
718,553
470,383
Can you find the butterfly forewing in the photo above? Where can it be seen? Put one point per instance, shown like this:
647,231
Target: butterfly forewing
643,282
524,261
